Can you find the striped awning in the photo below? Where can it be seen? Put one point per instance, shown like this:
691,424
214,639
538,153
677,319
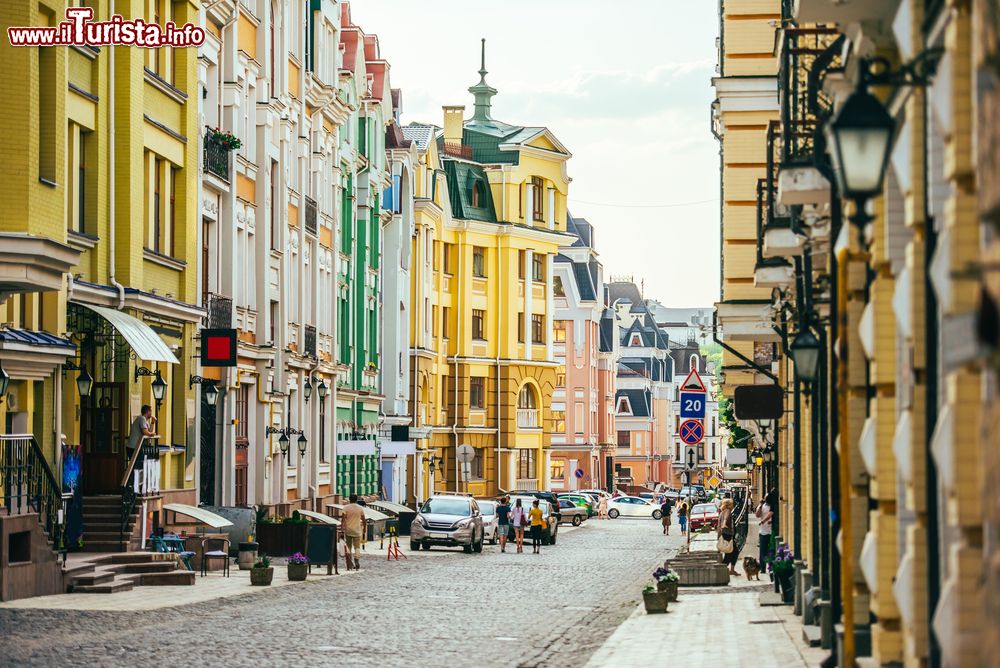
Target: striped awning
145,343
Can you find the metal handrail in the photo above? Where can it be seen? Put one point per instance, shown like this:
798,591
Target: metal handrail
147,450
27,484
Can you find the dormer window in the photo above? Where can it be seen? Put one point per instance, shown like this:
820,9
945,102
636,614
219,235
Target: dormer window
624,407
635,340
478,195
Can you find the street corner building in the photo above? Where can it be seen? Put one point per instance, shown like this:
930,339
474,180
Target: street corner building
859,200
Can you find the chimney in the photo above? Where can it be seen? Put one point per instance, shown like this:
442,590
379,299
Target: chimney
454,117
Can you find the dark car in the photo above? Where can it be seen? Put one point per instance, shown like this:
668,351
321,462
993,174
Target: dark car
551,528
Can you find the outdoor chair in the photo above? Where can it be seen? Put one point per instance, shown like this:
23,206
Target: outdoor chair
172,543
215,548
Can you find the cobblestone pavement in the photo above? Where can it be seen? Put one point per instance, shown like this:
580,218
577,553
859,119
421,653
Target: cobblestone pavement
439,608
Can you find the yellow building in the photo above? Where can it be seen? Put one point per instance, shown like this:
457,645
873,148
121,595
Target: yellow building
103,155
490,216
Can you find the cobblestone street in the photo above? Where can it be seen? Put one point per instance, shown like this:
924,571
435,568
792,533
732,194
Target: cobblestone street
438,608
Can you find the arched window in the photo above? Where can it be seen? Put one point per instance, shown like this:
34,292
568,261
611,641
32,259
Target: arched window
478,194
526,399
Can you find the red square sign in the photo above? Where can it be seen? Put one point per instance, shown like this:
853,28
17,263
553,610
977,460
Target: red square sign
218,347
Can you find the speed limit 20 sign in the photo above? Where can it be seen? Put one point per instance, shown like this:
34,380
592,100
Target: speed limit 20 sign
693,405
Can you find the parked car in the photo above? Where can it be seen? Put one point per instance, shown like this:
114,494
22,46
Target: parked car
696,492
490,520
580,500
551,497
704,515
633,506
450,521
551,528
572,513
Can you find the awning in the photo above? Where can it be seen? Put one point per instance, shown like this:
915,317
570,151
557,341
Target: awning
200,514
325,519
370,513
398,448
391,507
145,343
357,448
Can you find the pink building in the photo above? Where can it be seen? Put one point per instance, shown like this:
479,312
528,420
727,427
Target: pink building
585,345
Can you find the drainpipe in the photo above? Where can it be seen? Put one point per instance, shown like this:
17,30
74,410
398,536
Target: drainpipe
454,423
503,207
111,179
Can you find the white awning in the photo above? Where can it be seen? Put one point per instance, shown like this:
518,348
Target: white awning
200,514
370,513
325,519
145,343
391,507
357,448
398,448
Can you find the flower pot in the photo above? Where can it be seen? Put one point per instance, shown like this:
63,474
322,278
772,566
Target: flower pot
668,588
247,556
298,571
787,584
261,577
655,601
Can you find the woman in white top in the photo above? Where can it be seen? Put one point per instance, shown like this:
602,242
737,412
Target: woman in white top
518,517
602,508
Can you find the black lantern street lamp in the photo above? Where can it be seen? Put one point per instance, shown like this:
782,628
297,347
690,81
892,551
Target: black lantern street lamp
322,389
283,443
211,395
805,355
302,445
84,382
159,387
860,140
209,390
307,389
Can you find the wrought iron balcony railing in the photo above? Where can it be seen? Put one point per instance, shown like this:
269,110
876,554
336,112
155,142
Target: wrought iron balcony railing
216,159
311,216
805,54
220,311
309,345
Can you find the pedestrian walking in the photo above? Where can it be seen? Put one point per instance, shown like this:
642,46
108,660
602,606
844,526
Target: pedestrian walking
764,513
682,516
352,520
665,510
726,530
537,524
602,508
503,521
519,517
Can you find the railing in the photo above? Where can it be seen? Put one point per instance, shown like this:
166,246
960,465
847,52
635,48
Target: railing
458,150
141,478
526,484
803,51
527,418
309,345
27,485
220,311
311,216
216,159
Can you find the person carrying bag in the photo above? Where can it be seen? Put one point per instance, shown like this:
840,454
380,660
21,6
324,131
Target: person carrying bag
726,530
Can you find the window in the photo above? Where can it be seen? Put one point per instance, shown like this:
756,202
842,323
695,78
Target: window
557,469
275,206
479,261
520,327
76,179
272,28
537,328
478,318
538,268
477,392
448,250
557,287
558,422
560,380
635,340
322,429
526,398
445,320
578,422
537,196
47,92
274,323
624,407
444,392
520,263
559,331
623,439
436,255
434,320
476,466
525,464
478,194
160,205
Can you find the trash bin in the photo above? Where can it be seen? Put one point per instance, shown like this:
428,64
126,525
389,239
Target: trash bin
247,556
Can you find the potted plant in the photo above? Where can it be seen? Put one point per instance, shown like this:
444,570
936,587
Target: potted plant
223,139
667,581
298,566
262,573
655,601
782,565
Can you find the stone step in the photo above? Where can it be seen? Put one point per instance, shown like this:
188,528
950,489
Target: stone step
106,588
91,545
92,579
102,501
146,567
177,577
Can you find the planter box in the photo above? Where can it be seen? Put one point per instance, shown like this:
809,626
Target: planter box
668,588
281,540
700,571
655,601
261,577
298,571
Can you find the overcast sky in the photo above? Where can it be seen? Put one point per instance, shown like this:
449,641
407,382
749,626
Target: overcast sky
625,85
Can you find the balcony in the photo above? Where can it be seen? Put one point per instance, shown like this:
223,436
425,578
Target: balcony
844,13
527,418
219,311
309,344
216,160
526,484
311,216
33,264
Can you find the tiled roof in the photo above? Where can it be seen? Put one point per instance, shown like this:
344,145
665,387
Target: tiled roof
624,290
637,399
33,338
394,137
607,329
420,133
462,179
584,282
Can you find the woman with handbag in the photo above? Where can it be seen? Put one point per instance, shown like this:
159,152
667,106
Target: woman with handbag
519,518
726,530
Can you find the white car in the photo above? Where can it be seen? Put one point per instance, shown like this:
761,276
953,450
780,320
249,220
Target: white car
632,506
490,520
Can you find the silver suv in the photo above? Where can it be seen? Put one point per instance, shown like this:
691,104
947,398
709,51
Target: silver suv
449,520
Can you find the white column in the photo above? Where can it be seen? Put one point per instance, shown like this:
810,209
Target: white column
528,258
550,212
529,192
549,306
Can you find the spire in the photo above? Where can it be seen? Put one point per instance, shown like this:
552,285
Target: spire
482,91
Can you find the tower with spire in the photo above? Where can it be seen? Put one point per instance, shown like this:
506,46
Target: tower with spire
482,92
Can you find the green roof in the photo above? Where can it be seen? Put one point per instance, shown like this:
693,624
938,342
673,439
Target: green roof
463,178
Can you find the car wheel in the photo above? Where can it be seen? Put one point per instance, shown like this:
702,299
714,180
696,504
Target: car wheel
414,545
657,514
613,513
478,547
426,546
468,548
577,520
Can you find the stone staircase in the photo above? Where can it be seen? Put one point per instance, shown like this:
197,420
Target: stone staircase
102,525
122,571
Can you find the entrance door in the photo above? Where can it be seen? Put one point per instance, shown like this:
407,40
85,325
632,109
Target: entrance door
242,445
206,453
103,423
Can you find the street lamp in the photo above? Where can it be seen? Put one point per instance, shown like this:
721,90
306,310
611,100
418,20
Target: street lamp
283,443
211,395
302,445
860,140
307,389
159,388
805,355
758,460
210,391
323,390
84,382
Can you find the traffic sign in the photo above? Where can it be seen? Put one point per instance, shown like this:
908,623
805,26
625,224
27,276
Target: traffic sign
690,461
465,453
713,482
693,382
692,432
693,404
579,473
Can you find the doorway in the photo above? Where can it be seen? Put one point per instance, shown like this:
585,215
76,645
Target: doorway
103,424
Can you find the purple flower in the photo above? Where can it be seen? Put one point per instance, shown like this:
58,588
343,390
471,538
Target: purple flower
298,559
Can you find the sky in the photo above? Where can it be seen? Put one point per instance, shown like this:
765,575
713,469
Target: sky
625,85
